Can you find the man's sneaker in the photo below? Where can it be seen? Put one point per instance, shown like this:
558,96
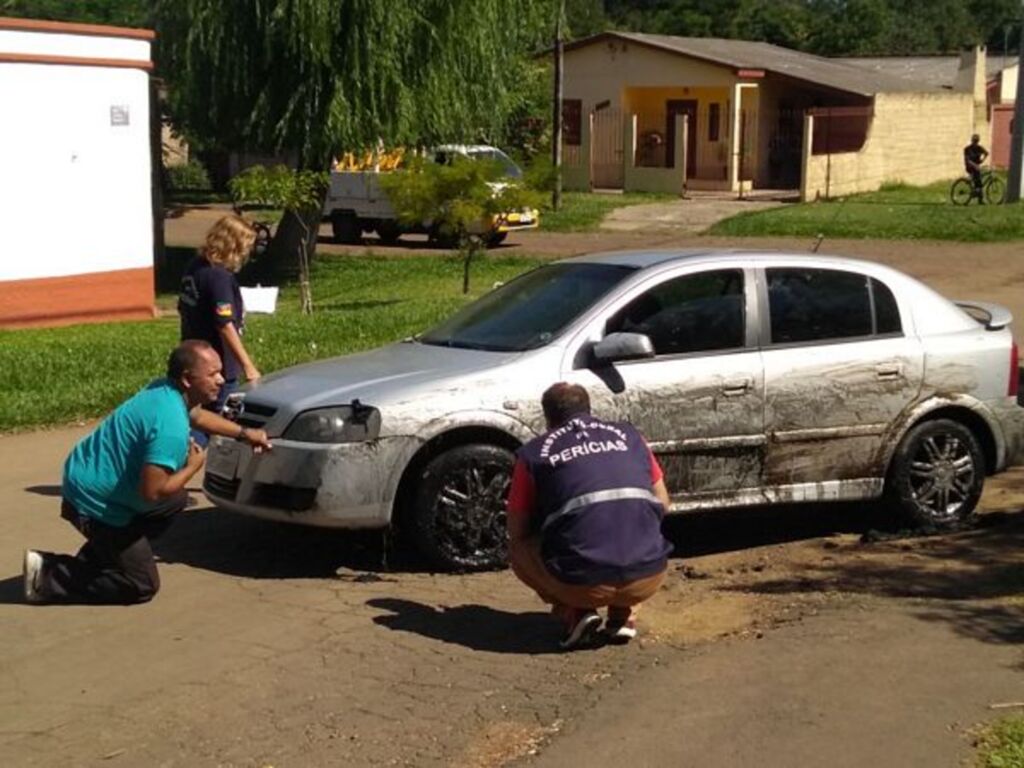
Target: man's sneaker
582,630
620,632
32,571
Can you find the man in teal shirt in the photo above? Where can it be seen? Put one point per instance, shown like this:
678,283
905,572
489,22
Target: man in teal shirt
124,482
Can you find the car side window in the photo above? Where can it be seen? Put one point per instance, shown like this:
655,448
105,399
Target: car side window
694,313
823,304
887,313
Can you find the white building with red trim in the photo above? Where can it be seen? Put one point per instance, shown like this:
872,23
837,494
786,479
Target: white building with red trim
76,173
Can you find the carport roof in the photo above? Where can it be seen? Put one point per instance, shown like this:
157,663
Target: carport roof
935,71
750,55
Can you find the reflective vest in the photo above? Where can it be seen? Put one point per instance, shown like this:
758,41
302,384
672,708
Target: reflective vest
598,519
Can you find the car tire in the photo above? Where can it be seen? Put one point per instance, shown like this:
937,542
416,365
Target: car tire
389,232
459,508
346,228
937,474
496,238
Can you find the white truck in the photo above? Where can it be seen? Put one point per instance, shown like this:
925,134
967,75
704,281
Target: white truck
356,203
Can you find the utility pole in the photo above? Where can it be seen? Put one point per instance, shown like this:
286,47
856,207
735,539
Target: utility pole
556,121
1017,137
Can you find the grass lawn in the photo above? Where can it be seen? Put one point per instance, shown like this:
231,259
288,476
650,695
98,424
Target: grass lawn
897,212
583,211
1001,745
57,375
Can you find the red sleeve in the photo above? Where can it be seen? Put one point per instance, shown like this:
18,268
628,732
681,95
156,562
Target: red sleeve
521,494
656,473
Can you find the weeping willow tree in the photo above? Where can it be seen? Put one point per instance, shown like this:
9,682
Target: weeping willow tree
315,78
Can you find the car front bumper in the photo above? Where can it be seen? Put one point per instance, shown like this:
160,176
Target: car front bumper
345,485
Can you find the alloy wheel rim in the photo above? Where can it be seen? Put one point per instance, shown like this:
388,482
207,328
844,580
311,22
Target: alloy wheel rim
470,510
942,475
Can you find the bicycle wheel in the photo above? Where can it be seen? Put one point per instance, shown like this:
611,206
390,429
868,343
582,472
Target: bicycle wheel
995,190
961,192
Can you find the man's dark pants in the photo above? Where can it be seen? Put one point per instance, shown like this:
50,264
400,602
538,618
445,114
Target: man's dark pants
115,565
976,182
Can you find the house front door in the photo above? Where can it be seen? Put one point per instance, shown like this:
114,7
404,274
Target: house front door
607,171
673,108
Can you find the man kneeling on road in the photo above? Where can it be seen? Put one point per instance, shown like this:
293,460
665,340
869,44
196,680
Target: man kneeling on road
124,482
584,519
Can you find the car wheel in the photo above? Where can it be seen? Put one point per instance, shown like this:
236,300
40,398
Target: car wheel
496,238
388,232
961,192
937,473
346,228
459,510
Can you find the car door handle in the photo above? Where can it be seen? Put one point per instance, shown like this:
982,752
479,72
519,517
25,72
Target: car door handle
888,370
735,387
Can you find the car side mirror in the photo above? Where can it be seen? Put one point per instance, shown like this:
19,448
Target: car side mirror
622,346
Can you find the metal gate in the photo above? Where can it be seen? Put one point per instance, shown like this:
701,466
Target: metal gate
606,153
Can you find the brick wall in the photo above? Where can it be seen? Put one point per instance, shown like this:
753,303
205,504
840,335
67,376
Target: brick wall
917,138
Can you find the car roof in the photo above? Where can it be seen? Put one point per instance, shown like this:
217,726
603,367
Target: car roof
648,259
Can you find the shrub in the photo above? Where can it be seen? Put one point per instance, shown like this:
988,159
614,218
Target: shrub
190,176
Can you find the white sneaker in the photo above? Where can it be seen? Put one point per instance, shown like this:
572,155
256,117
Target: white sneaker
32,571
581,631
620,632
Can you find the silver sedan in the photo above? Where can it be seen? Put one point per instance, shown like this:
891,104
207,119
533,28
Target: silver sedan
757,378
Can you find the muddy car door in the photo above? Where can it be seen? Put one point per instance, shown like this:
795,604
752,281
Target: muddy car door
839,369
699,400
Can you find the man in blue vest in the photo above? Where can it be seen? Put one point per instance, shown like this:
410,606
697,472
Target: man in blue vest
584,519
124,482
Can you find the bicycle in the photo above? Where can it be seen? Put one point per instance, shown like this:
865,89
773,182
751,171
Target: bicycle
993,189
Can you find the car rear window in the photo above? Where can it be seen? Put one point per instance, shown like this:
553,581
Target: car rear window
823,304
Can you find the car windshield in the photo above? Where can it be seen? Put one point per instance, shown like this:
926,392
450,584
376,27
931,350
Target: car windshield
530,311
508,166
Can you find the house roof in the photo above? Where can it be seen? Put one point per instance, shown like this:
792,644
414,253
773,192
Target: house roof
746,54
934,71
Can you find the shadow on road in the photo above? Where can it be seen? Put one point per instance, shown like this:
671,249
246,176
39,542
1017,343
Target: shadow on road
242,546
11,590
727,530
973,579
478,627
44,490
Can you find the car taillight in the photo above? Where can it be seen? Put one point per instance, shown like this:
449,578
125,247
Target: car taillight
1014,372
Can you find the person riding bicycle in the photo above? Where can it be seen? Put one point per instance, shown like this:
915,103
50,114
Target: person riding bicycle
974,156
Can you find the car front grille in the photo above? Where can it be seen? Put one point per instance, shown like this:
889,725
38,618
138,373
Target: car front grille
255,415
221,487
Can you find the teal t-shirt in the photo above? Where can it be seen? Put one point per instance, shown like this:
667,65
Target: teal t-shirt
103,472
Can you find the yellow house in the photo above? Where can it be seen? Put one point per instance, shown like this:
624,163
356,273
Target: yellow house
663,113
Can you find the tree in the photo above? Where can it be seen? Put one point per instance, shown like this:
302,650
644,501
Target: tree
122,13
780,22
323,76
319,77
298,191
459,199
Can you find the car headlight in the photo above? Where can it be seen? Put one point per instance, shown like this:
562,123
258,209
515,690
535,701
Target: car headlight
341,424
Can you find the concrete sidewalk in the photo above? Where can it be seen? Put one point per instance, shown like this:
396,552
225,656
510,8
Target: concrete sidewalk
690,215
